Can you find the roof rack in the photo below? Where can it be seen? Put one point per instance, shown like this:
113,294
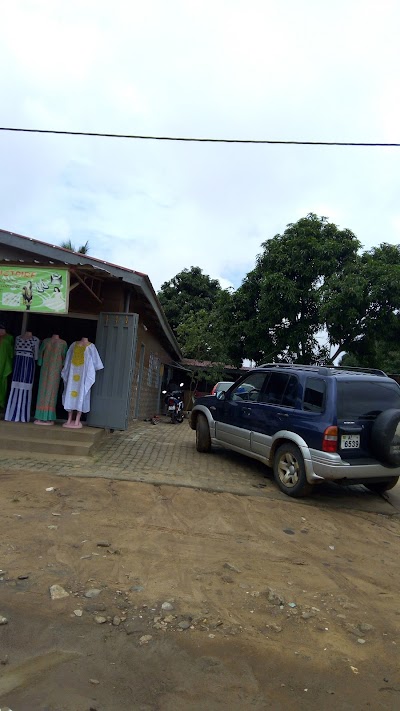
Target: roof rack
316,368
325,369
371,371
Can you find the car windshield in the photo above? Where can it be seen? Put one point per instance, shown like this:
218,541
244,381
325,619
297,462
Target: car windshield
245,388
362,399
223,387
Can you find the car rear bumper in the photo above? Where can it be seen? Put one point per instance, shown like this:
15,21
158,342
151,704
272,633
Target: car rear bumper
332,467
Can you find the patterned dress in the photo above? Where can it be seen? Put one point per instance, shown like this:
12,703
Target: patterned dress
20,399
51,359
79,374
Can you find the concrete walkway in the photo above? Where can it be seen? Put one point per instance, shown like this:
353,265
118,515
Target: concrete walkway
166,454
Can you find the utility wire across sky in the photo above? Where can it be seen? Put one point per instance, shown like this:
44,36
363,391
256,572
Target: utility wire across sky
201,140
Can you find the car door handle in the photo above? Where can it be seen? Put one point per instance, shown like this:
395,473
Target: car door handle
283,415
246,411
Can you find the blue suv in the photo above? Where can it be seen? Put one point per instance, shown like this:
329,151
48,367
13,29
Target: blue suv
309,423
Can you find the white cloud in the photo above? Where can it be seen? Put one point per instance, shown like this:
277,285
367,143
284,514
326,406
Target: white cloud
259,69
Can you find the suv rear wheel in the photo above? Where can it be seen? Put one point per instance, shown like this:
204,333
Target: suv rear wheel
381,486
290,472
203,439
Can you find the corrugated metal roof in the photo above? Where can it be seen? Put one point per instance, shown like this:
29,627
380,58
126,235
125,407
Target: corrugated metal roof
86,259
52,254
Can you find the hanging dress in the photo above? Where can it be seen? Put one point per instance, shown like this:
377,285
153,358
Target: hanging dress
51,359
6,359
20,399
79,374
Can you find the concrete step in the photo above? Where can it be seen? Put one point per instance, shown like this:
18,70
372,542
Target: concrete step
27,445
48,432
54,460
55,440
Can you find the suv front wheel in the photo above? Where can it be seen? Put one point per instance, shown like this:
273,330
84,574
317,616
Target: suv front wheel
203,439
290,472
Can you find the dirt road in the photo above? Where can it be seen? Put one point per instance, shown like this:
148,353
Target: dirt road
271,604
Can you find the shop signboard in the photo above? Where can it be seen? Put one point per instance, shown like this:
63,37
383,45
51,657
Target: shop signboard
39,290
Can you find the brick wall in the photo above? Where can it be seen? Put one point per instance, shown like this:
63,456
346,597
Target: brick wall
155,358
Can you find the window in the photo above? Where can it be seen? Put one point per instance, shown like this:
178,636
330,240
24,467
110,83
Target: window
153,370
275,388
290,394
366,399
249,389
314,395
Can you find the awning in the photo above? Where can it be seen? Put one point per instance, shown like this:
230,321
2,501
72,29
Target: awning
178,366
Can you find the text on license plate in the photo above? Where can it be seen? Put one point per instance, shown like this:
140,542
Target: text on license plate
350,441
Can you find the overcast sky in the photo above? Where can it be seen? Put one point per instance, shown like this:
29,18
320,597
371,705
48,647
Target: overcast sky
262,69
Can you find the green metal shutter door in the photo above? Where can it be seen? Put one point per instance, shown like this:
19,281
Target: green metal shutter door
116,341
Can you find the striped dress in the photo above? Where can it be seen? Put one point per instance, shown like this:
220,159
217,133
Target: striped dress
20,399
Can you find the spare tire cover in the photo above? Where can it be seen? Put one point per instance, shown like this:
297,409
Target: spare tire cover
385,437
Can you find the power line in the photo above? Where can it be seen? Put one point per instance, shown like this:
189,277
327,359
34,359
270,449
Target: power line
188,139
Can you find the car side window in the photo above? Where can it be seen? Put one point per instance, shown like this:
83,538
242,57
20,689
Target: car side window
314,395
290,394
275,388
249,389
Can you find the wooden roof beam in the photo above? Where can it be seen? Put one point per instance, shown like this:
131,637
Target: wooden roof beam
86,286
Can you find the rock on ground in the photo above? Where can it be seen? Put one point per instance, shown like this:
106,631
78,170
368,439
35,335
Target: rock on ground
57,592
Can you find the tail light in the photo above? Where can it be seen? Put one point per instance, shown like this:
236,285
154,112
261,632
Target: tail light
171,401
330,439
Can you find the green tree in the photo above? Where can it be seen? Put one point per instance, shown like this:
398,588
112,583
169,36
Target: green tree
360,308
383,354
312,296
204,334
200,312
67,244
188,292
204,337
278,314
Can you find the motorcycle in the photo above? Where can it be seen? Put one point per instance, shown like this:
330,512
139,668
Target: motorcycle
174,403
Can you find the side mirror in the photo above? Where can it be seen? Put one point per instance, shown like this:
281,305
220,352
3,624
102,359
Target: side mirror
221,395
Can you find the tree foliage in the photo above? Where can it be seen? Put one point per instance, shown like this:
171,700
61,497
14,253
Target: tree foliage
279,305
373,301
198,311
204,334
188,292
83,249
376,353
312,296
360,305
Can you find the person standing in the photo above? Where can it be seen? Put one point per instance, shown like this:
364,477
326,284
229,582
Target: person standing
27,295
6,359
52,354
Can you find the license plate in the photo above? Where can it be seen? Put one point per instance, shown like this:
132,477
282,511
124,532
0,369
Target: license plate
171,407
350,441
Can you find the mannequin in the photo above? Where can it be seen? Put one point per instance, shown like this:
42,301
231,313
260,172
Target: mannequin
79,374
6,358
20,399
51,359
